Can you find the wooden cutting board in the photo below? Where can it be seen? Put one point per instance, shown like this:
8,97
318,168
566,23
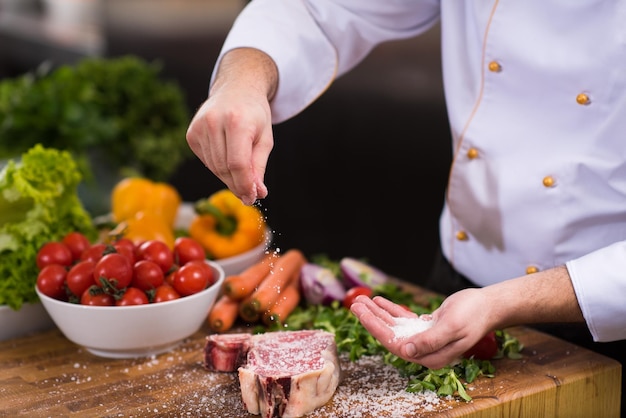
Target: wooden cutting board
47,375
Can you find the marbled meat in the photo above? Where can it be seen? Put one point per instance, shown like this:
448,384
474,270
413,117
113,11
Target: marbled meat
284,374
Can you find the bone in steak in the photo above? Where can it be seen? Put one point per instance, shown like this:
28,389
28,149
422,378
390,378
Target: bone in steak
281,374
226,352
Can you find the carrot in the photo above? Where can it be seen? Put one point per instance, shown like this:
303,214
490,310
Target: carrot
286,303
247,311
286,267
223,314
241,285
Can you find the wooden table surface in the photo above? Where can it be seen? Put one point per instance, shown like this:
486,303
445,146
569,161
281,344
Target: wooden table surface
46,375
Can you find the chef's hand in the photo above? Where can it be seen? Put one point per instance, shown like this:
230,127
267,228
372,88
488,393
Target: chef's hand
231,133
458,324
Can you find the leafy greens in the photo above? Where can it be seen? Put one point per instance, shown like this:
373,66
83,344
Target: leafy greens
119,108
38,203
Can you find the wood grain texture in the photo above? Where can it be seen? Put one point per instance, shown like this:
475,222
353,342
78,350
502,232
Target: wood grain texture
47,375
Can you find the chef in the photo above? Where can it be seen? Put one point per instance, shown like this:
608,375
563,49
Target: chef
534,221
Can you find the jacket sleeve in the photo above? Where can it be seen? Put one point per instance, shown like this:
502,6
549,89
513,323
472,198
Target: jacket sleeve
314,41
601,291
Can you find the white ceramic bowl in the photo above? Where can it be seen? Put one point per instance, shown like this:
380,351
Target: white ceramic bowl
134,331
231,265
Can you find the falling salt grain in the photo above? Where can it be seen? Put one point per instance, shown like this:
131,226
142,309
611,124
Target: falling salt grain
405,327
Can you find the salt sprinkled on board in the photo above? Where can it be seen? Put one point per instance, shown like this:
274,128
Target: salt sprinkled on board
405,327
385,396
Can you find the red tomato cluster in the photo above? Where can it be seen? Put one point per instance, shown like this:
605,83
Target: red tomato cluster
121,273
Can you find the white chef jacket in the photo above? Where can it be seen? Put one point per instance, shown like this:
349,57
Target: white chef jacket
536,97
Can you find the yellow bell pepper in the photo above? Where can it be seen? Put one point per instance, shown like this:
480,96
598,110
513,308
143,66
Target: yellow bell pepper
136,194
225,226
145,226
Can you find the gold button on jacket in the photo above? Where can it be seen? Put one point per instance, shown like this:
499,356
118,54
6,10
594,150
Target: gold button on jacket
583,99
495,67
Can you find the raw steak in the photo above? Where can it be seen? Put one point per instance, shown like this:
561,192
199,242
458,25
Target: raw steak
226,352
281,374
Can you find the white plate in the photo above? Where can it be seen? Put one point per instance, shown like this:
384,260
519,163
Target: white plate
238,263
30,318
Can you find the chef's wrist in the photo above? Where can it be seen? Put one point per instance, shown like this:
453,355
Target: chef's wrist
249,68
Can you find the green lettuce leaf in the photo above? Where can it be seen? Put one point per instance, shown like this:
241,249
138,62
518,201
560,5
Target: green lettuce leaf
38,203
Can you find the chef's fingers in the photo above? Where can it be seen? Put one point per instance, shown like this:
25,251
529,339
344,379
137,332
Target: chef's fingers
376,318
374,324
197,137
260,155
380,324
248,141
441,344
394,309
207,140
362,304
432,354
226,146
237,166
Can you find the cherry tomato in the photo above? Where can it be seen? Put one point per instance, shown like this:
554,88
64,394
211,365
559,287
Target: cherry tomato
190,279
207,270
51,281
485,349
353,292
132,296
94,296
164,293
77,243
54,252
127,248
157,251
94,253
169,278
147,275
187,249
80,277
115,268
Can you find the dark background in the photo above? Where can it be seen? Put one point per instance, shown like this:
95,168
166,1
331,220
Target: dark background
359,173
